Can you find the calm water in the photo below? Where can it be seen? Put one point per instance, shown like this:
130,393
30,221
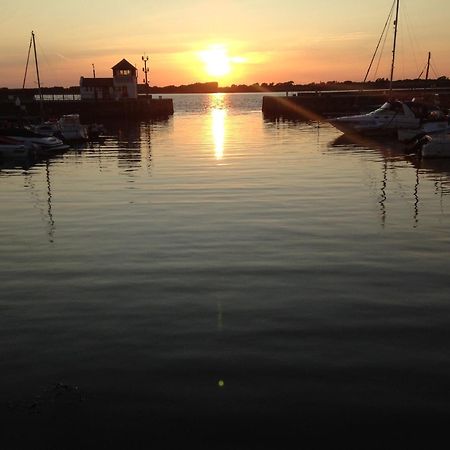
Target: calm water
224,279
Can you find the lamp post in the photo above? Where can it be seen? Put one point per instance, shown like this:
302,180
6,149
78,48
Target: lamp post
145,70
95,87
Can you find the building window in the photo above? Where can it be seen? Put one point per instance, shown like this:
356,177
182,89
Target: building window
125,73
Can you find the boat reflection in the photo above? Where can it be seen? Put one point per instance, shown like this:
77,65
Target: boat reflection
356,141
128,149
33,182
437,170
49,218
391,158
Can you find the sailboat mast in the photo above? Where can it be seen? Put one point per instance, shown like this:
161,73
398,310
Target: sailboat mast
428,66
26,66
37,74
394,46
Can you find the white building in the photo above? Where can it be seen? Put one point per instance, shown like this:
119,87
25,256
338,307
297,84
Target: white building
122,86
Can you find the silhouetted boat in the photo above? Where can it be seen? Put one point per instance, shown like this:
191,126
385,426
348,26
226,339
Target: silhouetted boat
38,143
428,147
70,128
11,148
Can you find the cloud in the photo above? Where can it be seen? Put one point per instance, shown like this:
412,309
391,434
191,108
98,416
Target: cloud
64,58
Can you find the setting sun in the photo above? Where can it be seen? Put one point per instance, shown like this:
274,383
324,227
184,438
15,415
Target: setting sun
216,60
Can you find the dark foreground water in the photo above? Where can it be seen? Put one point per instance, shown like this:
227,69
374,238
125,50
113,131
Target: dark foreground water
226,281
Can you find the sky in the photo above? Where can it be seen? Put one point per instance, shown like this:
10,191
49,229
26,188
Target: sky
229,41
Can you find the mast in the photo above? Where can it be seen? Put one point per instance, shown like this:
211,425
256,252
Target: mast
394,46
26,66
41,99
428,66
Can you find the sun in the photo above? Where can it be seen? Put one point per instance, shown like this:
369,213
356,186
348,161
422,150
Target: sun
216,60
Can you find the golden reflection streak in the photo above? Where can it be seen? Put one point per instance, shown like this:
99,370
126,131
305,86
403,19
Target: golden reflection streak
218,131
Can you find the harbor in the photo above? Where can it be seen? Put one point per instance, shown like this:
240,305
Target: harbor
30,108
97,98
204,243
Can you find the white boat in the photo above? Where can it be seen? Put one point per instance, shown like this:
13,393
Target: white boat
46,128
385,120
11,148
431,128
404,119
41,144
394,115
436,147
70,128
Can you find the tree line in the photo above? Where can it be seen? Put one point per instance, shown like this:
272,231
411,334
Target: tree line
286,86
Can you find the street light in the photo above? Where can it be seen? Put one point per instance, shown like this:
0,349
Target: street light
145,70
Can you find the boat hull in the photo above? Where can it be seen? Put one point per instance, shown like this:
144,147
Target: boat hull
14,151
430,128
436,148
366,129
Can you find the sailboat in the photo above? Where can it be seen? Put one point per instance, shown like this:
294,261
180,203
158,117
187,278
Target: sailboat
35,143
393,115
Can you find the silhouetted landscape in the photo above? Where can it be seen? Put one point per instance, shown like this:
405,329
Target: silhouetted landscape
286,86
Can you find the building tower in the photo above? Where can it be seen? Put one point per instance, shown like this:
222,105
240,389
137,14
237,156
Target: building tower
125,80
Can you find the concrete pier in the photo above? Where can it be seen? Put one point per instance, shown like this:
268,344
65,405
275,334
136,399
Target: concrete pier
320,105
90,111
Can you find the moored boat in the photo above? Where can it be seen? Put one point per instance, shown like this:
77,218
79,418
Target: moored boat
42,144
436,147
11,148
71,129
386,120
395,118
427,147
430,128
45,129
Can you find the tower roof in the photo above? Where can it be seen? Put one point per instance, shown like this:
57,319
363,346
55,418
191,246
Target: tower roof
124,65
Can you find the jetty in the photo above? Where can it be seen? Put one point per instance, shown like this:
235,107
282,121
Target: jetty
28,107
325,104
97,98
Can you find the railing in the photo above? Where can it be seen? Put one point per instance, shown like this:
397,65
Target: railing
59,97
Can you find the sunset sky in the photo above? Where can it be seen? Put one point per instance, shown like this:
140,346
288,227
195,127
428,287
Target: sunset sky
229,41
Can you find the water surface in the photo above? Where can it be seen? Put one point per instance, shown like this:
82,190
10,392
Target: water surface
226,279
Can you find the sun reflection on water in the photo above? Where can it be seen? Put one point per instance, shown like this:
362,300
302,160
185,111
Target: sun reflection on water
218,114
218,131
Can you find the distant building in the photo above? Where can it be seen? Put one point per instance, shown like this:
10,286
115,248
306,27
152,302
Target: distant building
96,88
122,86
